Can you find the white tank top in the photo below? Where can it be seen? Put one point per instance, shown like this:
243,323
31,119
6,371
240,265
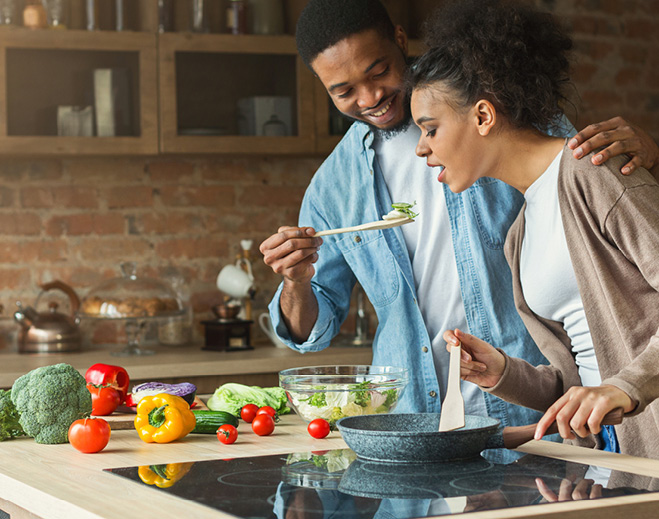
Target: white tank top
546,272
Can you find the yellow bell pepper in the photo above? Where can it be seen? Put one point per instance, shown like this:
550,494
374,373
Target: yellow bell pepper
163,476
163,418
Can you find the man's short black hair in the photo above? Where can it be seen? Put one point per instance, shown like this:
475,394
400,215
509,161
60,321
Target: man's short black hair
324,23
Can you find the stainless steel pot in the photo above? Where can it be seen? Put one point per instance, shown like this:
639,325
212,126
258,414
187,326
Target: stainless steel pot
51,331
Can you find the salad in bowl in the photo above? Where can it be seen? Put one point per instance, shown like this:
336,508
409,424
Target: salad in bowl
334,392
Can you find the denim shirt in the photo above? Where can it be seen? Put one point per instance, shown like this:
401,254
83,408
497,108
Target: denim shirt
349,188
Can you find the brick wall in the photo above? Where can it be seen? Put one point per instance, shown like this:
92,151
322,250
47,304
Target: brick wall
77,219
616,58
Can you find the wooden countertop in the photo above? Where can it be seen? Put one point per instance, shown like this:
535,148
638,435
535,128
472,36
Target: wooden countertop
58,482
184,362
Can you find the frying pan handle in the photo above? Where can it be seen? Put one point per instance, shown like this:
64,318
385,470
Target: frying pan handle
513,437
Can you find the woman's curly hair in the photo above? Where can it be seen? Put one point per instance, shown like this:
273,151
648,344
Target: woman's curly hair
508,53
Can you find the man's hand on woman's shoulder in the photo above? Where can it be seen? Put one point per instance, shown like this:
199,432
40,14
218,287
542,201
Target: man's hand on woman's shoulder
617,137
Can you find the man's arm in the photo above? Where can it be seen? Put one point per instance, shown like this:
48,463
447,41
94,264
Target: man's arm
291,252
617,137
299,309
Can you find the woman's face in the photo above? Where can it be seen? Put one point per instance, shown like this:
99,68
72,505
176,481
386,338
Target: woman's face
450,138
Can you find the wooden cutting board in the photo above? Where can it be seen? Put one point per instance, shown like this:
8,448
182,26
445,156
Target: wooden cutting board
124,417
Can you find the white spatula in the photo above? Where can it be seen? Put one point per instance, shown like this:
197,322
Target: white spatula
371,226
453,406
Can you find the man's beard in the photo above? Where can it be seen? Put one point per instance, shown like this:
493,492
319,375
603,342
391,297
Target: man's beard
390,133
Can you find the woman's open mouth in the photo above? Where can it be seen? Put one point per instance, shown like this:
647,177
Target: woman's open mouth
440,177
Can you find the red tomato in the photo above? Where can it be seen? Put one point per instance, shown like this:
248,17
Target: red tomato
227,433
318,428
270,411
89,434
248,412
105,399
263,424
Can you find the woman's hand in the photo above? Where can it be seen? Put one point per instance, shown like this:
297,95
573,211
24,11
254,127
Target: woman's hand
568,491
481,363
581,409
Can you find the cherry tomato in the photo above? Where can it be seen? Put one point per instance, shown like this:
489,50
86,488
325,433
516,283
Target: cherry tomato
248,412
263,424
227,434
105,399
270,411
89,434
318,428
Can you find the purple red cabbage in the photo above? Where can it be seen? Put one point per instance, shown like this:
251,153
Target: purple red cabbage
185,390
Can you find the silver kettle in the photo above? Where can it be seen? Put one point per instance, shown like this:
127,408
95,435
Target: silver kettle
51,331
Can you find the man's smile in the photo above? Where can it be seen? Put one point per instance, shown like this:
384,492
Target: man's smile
381,112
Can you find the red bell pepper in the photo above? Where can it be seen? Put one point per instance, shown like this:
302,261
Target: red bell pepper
107,375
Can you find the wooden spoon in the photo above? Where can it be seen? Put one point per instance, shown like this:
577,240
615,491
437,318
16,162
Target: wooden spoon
453,407
371,226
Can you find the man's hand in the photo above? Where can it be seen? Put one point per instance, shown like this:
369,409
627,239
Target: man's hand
292,252
581,409
618,137
481,363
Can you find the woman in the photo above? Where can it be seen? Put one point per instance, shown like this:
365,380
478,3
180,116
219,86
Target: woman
584,249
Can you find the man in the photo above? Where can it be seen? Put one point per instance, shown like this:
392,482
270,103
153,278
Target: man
445,270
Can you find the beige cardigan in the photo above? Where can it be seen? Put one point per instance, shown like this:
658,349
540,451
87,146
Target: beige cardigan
612,229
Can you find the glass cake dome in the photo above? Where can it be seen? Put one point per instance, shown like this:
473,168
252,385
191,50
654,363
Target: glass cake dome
131,297
133,300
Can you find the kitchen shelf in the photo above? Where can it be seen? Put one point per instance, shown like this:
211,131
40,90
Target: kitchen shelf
185,89
43,69
202,78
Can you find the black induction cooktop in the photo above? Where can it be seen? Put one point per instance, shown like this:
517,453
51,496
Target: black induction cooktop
336,484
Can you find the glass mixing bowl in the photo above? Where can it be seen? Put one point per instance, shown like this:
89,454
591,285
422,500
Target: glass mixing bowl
333,392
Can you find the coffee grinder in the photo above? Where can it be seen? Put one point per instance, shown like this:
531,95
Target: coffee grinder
231,330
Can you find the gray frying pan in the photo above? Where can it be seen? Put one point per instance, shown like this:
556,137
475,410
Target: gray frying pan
414,438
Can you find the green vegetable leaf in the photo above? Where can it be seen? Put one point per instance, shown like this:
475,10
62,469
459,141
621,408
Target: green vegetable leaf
362,397
392,398
337,414
232,397
317,400
319,461
405,208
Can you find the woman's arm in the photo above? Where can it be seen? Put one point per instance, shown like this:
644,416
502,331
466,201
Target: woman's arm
511,379
633,226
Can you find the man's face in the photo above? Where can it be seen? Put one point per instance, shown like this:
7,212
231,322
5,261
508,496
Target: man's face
363,75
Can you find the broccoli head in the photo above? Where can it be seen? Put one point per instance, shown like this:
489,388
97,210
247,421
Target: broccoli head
49,400
9,426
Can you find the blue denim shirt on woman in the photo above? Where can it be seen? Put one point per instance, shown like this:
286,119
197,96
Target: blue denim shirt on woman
349,188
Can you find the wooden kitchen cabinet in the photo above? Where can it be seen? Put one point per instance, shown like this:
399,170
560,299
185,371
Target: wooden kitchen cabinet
41,70
203,77
185,87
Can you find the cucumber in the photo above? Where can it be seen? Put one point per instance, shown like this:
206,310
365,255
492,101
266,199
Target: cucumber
209,421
